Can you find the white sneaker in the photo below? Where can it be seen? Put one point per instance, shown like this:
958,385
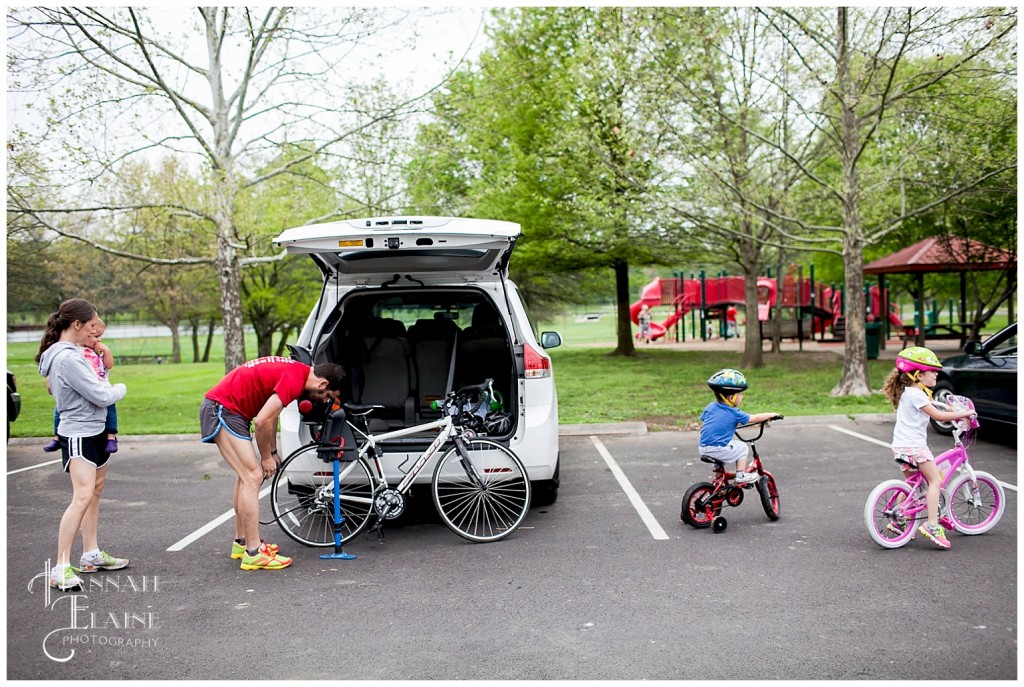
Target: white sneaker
746,477
102,561
65,578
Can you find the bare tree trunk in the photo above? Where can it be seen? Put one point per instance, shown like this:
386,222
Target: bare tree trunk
753,357
624,326
854,380
210,331
195,340
230,302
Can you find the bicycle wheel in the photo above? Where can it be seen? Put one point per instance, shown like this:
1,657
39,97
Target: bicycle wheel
302,498
769,493
695,511
885,526
975,513
488,504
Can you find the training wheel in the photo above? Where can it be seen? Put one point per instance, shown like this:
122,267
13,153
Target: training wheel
719,525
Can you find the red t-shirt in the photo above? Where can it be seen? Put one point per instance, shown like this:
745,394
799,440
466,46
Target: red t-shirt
246,389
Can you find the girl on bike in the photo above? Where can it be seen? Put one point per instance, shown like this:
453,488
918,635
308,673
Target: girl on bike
908,388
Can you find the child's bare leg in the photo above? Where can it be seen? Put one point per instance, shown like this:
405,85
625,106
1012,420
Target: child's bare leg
931,473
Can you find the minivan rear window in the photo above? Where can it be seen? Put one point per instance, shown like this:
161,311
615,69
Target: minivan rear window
378,261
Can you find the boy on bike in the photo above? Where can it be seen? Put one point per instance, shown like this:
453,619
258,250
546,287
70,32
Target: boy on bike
254,394
719,421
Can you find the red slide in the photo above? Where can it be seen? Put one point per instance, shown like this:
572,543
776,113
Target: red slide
651,296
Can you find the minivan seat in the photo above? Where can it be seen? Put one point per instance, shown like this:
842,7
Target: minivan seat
389,376
484,352
432,342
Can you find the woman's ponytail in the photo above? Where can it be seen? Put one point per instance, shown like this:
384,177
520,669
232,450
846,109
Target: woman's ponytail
70,311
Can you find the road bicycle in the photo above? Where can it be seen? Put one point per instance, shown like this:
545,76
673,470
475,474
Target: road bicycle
703,502
970,501
480,488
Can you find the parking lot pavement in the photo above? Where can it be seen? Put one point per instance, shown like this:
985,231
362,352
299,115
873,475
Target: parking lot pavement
586,589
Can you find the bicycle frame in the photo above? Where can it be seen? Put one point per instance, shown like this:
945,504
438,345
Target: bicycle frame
955,459
447,431
721,481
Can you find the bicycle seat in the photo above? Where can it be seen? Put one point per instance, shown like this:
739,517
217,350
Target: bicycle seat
361,409
708,459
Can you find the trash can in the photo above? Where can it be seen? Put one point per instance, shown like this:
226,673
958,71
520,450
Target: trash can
873,338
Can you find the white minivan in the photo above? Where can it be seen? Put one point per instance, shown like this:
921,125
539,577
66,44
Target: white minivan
412,307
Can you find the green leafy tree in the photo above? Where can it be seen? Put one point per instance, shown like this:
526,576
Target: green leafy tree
277,296
725,122
856,67
554,129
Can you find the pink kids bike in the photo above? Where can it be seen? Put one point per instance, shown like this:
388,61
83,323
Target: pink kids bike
970,502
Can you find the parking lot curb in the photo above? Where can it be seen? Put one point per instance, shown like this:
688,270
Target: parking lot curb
602,428
575,430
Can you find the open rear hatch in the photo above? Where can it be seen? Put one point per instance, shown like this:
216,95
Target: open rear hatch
428,250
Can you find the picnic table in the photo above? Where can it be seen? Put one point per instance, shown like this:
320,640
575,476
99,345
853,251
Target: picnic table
139,359
946,332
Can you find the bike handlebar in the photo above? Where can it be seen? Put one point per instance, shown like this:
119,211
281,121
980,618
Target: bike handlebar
480,388
762,424
773,418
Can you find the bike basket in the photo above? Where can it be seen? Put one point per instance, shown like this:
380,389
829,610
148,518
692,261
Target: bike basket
965,424
338,442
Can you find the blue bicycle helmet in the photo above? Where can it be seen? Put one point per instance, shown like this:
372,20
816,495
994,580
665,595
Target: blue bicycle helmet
727,382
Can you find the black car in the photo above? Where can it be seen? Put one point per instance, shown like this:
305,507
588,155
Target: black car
986,373
13,401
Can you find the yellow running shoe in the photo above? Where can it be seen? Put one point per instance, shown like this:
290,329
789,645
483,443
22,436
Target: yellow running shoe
237,550
265,559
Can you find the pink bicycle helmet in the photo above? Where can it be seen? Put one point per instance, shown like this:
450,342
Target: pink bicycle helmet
917,358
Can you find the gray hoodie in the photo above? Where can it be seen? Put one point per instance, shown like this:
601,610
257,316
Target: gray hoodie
81,397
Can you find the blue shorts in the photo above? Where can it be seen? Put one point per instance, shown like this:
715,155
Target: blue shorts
90,449
213,417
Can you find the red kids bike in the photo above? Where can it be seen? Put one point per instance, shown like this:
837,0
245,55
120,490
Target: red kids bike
703,502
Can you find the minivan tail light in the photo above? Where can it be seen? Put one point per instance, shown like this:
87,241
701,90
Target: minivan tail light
537,365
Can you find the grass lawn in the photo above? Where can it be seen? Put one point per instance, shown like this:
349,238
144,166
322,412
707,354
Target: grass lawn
665,388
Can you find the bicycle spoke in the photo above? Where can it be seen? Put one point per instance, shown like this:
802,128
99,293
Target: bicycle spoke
487,498
302,498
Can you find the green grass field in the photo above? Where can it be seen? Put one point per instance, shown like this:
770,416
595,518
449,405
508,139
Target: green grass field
664,388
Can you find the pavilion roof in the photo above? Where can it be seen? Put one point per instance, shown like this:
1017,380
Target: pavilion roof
943,254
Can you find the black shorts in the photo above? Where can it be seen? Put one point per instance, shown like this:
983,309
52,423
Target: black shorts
89,449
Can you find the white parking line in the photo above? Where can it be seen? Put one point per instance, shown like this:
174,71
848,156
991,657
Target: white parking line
886,444
208,527
861,436
32,467
641,508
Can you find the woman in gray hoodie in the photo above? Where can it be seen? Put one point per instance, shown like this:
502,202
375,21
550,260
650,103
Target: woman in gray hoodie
83,400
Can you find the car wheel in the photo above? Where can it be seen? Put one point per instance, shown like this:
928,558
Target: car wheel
545,492
941,393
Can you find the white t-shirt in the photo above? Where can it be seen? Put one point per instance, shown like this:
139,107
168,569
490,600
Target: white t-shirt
911,430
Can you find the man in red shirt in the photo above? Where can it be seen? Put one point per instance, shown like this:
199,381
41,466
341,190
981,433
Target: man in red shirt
255,393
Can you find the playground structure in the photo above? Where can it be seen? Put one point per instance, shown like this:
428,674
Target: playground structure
803,307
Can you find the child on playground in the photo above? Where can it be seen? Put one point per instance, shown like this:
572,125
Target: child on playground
644,320
908,388
99,356
719,421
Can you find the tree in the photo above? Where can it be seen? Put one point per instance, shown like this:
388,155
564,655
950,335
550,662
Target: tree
860,62
553,129
712,109
125,83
